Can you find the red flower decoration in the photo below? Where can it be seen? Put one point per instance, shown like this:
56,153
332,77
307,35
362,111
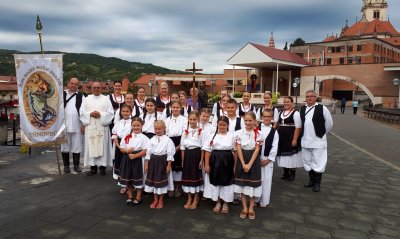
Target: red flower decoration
255,134
186,131
199,131
127,138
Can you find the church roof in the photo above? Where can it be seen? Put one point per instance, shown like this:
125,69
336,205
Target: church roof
329,39
281,55
370,28
393,40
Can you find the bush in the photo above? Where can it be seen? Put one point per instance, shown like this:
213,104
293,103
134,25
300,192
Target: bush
237,94
275,97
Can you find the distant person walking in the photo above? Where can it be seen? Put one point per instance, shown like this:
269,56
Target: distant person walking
333,106
355,106
342,105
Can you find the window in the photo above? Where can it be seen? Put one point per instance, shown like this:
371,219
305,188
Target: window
329,49
349,48
358,59
359,47
350,60
341,60
328,61
376,14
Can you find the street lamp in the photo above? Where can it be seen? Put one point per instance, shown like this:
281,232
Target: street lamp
396,83
151,87
296,83
39,31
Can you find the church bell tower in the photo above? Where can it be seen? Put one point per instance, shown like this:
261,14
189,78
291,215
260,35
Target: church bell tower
374,9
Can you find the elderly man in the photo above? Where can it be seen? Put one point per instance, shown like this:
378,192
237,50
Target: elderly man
96,115
72,104
316,122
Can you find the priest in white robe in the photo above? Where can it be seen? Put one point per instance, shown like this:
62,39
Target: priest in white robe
96,114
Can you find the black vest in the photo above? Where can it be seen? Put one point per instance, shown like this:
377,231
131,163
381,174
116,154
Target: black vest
241,112
115,104
238,126
268,142
160,106
318,120
218,109
78,101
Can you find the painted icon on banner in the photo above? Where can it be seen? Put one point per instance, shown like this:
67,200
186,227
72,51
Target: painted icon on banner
40,97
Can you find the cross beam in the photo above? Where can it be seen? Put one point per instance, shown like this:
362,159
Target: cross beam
194,70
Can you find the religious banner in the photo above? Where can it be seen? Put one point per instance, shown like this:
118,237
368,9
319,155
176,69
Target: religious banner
40,87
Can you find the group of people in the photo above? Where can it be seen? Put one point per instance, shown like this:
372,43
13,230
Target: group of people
169,146
343,102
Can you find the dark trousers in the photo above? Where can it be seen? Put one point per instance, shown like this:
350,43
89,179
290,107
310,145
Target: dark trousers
355,110
342,108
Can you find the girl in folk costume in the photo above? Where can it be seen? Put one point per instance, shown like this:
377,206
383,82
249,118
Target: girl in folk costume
267,106
117,98
133,146
168,110
269,149
289,126
176,124
159,155
223,110
136,111
219,166
186,108
192,177
219,105
248,165
121,129
163,98
140,100
245,106
235,122
149,117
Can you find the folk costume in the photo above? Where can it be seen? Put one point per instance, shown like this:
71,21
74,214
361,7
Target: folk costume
174,129
261,110
121,129
149,119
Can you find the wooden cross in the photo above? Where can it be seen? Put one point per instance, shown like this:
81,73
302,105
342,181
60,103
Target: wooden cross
194,70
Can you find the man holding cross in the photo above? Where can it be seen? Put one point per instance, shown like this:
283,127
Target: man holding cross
96,115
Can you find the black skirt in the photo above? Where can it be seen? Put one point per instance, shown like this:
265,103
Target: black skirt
131,172
117,158
177,163
285,148
149,135
221,168
192,176
157,176
251,178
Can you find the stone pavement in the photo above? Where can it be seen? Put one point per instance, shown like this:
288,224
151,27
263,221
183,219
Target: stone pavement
359,199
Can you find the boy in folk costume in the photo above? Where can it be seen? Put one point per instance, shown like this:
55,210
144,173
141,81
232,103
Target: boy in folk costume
235,122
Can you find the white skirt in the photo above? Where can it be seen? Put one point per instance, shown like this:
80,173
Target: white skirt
214,192
192,189
163,190
292,161
249,191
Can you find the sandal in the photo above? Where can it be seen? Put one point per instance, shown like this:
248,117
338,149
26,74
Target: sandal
243,214
123,190
252,215
217,208
136,202
187,205
160,205
225,208
154,204
194,205
129,202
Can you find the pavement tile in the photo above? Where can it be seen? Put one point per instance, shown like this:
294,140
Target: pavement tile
348,234
315,232
319,211
290,216
389,211
52,230
359,216
255,233
387,230
321,220
23,226
19,236
355,225
175,234
388,220
82,221
277,225
5,234
55,215
381,237
228,231
88,234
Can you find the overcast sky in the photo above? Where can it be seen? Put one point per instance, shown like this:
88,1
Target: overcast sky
173,33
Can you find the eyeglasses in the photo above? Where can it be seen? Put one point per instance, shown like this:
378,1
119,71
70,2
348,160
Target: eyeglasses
310,96
95,87
267,116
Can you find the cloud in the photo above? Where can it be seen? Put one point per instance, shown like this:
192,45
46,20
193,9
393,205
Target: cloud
172,33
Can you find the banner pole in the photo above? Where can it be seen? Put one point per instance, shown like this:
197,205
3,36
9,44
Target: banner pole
58,158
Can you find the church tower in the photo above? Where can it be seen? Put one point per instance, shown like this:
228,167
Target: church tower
374,9
271,42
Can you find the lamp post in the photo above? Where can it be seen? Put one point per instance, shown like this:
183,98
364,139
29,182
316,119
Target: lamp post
151,87
296,83
39,31
396,83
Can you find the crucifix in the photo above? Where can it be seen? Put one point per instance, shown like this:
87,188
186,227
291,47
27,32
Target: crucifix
194,70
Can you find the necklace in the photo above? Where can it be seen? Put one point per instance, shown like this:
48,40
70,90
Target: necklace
246,109
118,101
165,102
140,104
286,115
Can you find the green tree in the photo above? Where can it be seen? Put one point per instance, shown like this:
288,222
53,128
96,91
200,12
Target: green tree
285,48
298,42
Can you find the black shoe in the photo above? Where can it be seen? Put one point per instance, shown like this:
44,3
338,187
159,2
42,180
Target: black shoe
76,157
103,171
65,158
311,183
285,174
129,202
93,171
317,180
292,175
317,187
66,169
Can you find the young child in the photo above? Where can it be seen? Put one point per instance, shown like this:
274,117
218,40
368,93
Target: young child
168,110
136,111
192,177
245,106
267,106
133,146
248,166
186,108
121,129
269,149
222,109
149,117
235,122
159,155
219,166
205,125
176,124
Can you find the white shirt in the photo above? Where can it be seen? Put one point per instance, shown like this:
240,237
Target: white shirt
161,145
117,116
207,128
72,120
247,139
122,128
193,139
232,123
148,126
309,139
274,150
220,142
138,142
215,108
175,125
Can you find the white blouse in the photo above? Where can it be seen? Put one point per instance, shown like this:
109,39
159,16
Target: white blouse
117,116
207,128
175,125
161,145
232,123
194,139
274,150
148,126
220,142
121,129
137,142
247,139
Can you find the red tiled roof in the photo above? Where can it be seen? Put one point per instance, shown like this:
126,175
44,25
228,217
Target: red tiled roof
329,39
144,79
393,40
370,28
281,55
